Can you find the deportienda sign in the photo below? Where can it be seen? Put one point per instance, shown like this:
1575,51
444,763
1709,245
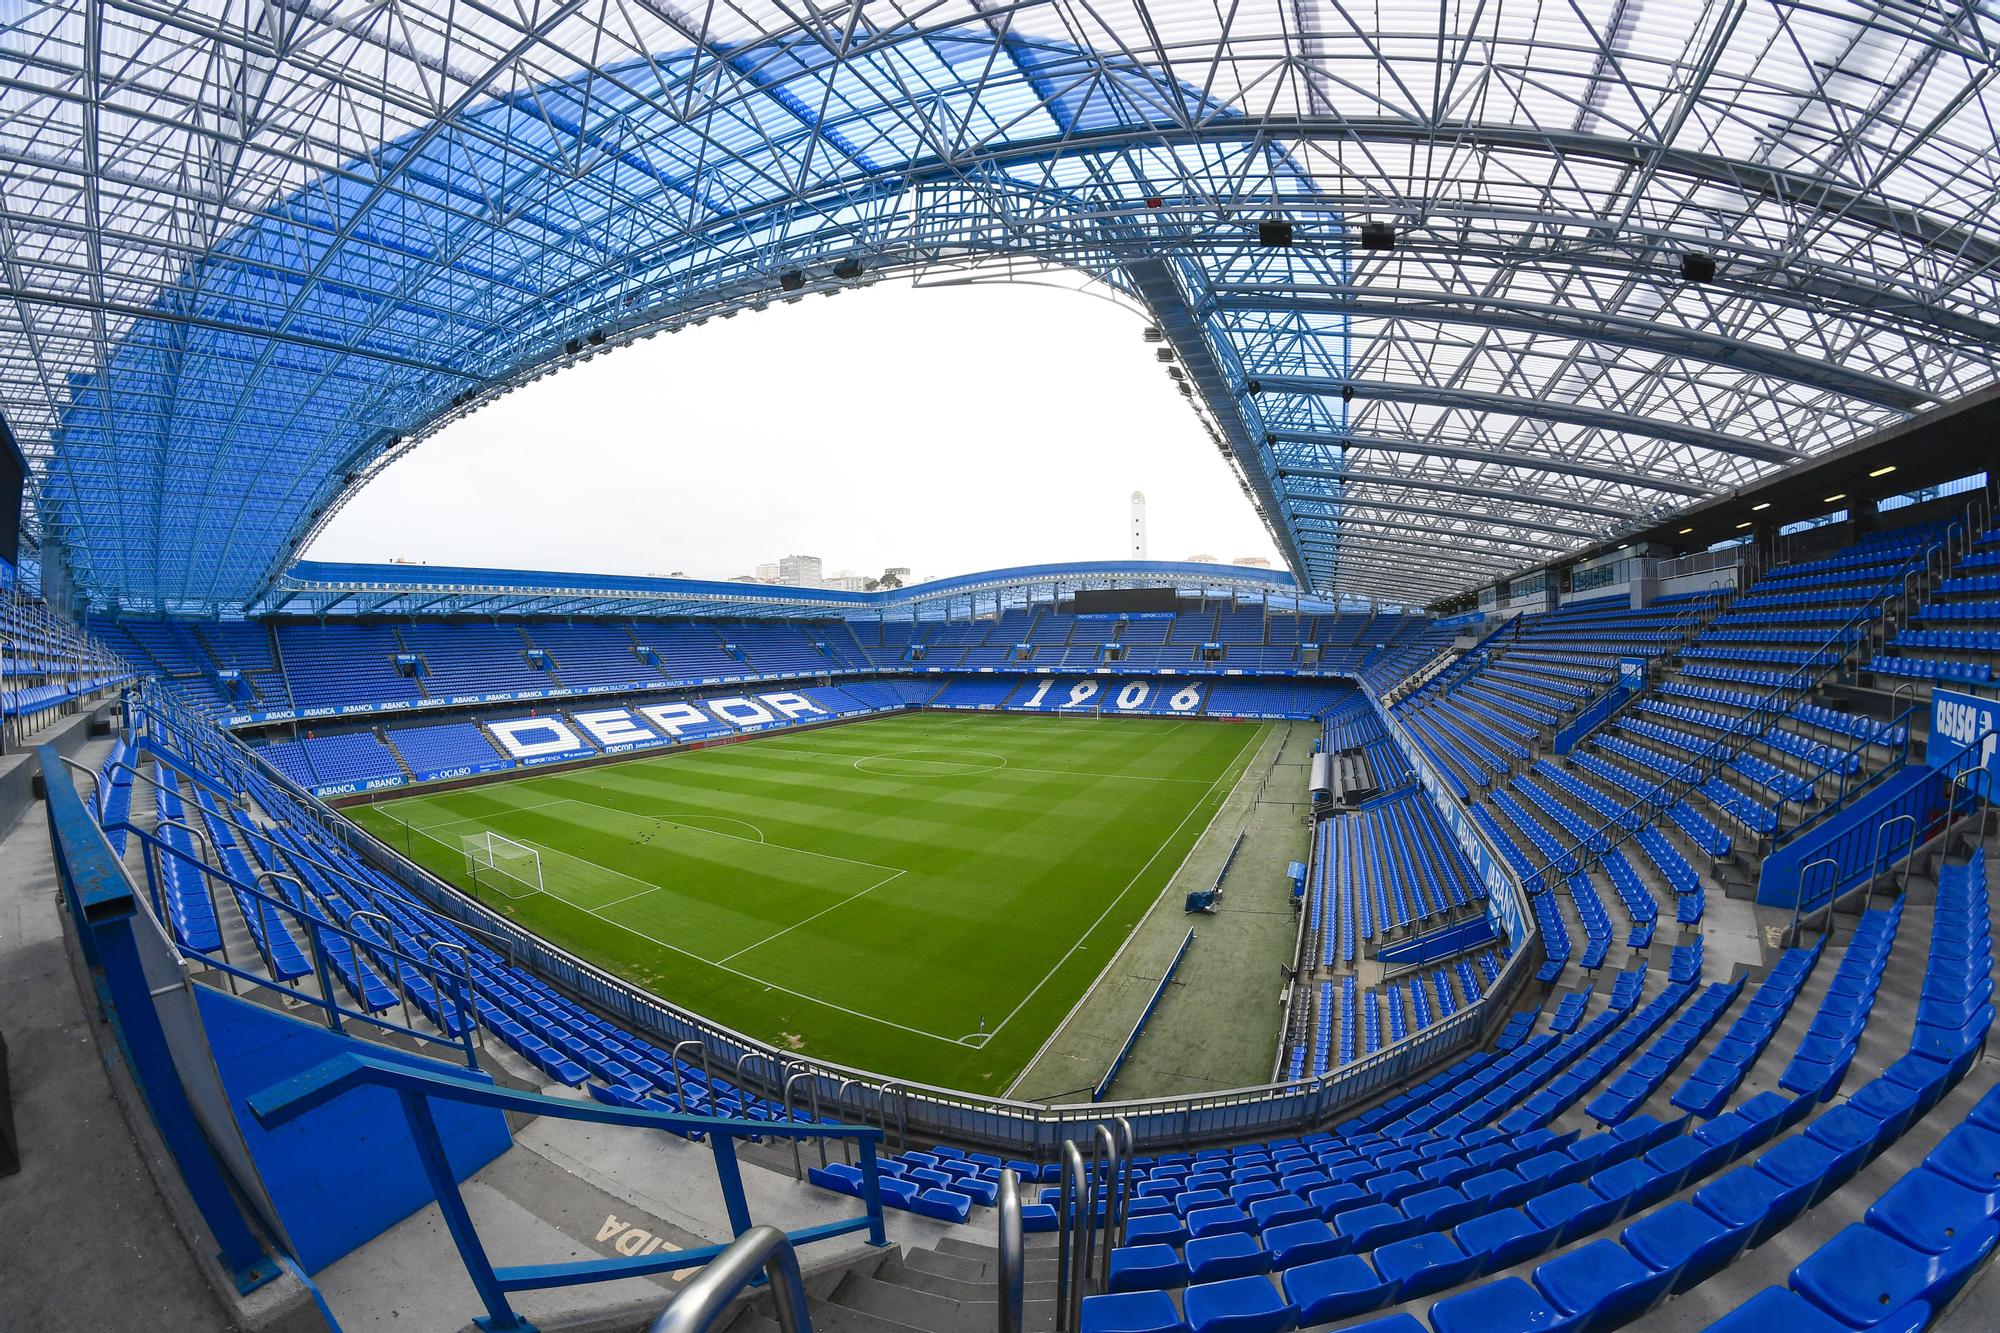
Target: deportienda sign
616,730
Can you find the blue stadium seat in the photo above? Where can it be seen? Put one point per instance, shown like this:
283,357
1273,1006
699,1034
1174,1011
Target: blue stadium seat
1238,1305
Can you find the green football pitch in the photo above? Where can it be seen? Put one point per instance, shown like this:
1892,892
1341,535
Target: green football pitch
925,895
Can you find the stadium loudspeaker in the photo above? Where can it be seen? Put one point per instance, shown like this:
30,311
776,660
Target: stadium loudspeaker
791,280
1253,387
1377,236
847,270
1698,267
1347,393
572,346
597,337
1274,231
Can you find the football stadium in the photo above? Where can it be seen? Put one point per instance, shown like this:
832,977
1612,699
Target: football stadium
1550,892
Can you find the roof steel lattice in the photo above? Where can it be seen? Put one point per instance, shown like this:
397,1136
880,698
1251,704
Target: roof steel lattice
250,248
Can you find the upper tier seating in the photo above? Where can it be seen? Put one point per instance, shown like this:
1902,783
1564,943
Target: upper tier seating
254,671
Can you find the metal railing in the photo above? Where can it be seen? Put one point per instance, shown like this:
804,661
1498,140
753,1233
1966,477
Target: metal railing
1094,1198
1010,1304
451,987
1701,562
1938,801
416,1088
708,1293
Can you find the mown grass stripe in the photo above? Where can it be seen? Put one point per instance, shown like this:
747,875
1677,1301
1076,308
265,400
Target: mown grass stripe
872,918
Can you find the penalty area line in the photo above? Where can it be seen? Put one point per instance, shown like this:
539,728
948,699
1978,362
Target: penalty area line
804,921
760,981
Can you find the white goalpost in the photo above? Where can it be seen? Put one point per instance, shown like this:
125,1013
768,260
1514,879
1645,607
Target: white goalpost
504,858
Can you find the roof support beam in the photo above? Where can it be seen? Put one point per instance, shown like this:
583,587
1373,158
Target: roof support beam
1595,326
1499,457
1440,537
1355,477
1540,409
1342,537
1351,506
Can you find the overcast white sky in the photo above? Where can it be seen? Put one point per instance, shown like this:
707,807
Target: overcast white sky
948,429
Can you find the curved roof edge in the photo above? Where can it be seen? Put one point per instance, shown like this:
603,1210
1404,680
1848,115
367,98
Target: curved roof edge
326,588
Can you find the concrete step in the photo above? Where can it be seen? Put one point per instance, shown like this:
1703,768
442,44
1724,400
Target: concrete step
834,1317
1037,1316
983,1290
1038,1268
967,1249
955,1289
898,1304
960,1267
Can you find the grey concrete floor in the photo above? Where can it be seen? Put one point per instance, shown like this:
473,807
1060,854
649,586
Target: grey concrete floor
88,1241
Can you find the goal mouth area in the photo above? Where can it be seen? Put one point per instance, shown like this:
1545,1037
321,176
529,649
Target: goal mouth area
504,865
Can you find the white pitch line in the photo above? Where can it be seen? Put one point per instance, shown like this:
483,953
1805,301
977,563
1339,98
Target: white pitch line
1010,768
759,841
722,966
814,917
475,819
650,888
765,981
1086,934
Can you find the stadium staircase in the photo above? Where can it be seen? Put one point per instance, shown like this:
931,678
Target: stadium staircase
284,674
388,739
949,1289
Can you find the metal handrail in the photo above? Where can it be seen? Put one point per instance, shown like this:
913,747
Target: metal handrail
1009,1302
1799,897
368,890
1072,1242
762,1249
1123,1127
785,1103
1104,1151
680,1078
387,932
1875,858
153,848
1964,777
467,1007
417,1087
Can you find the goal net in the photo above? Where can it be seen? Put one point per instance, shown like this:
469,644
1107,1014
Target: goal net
487,853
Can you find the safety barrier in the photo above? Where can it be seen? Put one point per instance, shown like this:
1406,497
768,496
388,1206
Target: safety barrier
1431,945
1865,837
1146,1014
1592,716
416,1089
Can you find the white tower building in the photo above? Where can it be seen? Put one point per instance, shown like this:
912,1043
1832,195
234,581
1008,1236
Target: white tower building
1138,525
